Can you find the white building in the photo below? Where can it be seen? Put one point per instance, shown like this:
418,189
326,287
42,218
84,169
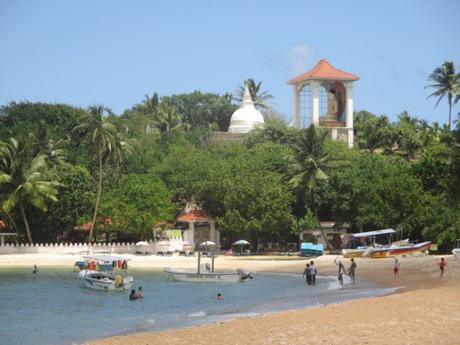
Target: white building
247,117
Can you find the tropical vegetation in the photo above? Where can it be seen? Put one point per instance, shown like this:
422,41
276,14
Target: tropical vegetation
132,171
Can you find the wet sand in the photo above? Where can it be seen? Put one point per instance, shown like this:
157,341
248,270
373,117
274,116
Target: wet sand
426,309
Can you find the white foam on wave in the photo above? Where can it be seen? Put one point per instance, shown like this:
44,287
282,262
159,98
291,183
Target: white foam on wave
197,314
334,285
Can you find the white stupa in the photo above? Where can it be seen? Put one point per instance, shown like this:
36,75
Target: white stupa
247,117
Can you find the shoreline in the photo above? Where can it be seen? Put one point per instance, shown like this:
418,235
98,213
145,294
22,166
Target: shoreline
423,306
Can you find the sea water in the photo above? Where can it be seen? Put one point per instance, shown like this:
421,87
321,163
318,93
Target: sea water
53,308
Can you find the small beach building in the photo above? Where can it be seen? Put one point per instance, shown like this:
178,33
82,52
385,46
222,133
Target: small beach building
199,227
329,230
4,233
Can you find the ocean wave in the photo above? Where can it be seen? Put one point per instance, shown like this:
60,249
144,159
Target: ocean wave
197,314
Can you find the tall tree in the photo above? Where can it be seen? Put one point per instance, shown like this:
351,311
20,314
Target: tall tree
259,97
446,83
107,146
25,181
308,165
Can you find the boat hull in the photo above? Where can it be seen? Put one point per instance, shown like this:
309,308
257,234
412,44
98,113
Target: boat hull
456,253
384,252
352,253
203,277
106,283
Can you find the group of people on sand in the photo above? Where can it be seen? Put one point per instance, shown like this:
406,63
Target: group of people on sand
136,294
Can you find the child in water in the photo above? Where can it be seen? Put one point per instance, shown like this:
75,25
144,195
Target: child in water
35,270
220,297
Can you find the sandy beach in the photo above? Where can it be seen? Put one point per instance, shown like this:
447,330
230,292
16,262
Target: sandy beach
425,309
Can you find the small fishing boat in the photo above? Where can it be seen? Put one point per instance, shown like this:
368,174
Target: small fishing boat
106,273
193,276
393,250
359,250
207,274
106,282
456,250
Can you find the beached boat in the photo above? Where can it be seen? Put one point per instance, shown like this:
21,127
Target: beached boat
359,251
456,250
393,250
353,253
105,282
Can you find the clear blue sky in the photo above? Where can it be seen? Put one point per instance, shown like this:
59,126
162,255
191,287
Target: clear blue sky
113,52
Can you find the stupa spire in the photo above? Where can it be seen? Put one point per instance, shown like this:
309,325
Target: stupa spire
247,98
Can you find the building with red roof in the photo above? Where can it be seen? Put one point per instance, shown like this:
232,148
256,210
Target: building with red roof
323,96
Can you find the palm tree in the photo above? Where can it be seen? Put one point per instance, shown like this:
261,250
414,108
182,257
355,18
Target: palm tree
27,181
166,118
107,145
373,132
445,82
259,97
309,164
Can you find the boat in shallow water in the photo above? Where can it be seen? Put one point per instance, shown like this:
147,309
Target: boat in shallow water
193,276
105,282
207,274
106,273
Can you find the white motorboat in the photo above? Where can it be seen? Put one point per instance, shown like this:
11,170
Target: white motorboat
193,276
456,250
106,282
106,273
207,274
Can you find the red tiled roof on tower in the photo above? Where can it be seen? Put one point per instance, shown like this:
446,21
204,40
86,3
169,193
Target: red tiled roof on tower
324,70
194,216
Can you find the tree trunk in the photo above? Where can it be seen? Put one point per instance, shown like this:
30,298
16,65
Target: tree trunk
450,111
98,198
26,223
323,235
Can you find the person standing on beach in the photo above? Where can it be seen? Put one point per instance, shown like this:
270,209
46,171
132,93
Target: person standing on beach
307,274
313,273
442,265
396,268
351,270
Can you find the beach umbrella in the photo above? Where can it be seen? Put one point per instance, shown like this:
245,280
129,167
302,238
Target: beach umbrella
207,243
142,243
241,243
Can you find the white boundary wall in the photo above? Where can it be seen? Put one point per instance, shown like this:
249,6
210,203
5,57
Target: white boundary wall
83,248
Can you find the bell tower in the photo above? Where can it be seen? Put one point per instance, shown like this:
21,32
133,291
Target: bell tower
323,97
